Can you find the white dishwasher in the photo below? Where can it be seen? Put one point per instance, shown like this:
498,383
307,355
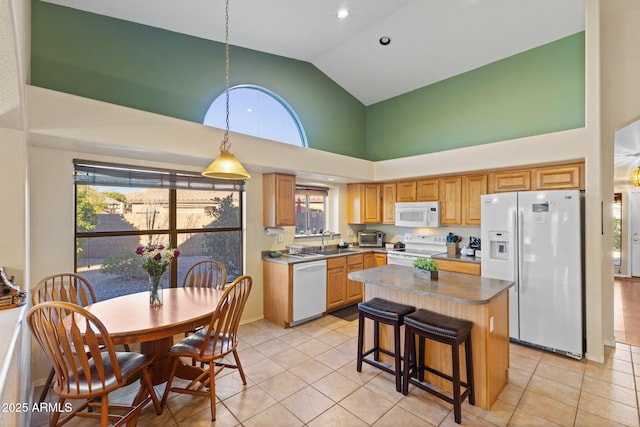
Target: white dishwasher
309,290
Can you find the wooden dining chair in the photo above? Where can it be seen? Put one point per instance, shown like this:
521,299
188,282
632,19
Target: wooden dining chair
210,345
207,273
90,375
67,287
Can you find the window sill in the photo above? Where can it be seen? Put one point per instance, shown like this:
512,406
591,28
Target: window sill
303,236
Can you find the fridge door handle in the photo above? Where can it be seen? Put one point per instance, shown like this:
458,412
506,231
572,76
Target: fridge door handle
520,247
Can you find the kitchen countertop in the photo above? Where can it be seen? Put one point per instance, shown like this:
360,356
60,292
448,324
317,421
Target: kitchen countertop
456,287
458,257
284,259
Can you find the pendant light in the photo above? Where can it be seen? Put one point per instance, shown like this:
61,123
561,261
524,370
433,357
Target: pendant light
226,166
635,177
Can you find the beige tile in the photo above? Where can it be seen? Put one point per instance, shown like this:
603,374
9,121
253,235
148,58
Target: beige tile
295,338
523,350
499,414
290,358
307,404
313,347
333,338
362,377
425,406
365,405
271,347
337,416
269,416
249,403
385,385
399,417
249,356
563,362
522,363
312,329
555,390
183,406
333,322
585,419
282,385
335,359
259,372
336,386
519,377
511,394
610,391
547,408
608,409
203,418
565,376
311,371
603,373
522,418
229,385
267,327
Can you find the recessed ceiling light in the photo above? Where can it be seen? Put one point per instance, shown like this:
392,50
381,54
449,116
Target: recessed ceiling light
384,40
331,179
342,13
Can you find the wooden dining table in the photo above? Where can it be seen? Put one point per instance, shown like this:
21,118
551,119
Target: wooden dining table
129,319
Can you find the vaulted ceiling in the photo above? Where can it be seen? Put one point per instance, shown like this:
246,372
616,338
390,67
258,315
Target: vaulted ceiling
431,40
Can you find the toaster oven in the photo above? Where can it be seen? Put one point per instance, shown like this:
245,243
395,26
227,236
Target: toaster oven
370,239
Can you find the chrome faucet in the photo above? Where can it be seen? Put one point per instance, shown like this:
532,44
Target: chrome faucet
322,238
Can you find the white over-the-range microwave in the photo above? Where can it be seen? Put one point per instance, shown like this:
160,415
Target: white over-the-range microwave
418,214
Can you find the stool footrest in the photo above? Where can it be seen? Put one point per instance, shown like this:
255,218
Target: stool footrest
432,390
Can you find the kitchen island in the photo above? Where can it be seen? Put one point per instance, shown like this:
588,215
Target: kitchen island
483,301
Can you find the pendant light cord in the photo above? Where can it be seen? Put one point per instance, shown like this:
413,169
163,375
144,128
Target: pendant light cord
224,147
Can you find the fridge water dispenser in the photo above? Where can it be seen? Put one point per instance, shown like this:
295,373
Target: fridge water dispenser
499,245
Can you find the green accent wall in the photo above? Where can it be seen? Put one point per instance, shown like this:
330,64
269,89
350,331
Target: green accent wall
535,92
175,75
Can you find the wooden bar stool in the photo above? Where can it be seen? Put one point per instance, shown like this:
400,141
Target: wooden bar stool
389,313
448,330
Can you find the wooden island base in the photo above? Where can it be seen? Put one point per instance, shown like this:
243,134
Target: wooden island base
489,315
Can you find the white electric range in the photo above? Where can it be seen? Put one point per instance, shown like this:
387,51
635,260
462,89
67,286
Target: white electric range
417,246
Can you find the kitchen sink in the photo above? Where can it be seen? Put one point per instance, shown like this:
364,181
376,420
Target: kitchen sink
335,251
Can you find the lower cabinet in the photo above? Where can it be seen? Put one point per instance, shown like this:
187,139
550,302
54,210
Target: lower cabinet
341,291
379,259
336,283
459,266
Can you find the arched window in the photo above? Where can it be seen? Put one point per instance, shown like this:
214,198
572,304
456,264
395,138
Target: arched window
256,111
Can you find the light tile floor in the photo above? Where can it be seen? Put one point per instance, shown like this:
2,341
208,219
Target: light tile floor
306,376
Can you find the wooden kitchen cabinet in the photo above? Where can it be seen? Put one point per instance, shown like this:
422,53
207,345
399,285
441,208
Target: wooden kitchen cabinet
406,191
380,259
473,186
389,203
427,190
364,203
458,266
450,200
563,177
278,200
519,180
370,260
277,291
354,289
336,283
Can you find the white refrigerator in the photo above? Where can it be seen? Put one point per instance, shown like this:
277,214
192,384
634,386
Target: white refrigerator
535,239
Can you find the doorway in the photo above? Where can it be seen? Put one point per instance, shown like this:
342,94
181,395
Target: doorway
634,232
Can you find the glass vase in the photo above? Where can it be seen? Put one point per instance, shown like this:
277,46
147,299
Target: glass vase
155,290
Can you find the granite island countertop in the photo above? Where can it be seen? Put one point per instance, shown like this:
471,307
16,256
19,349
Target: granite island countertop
456,287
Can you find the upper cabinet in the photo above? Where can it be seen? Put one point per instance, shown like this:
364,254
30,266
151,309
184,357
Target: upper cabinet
450,200
364,203
564,177
519,180
278,200
406,191
473,186
558,177
427,190
389,203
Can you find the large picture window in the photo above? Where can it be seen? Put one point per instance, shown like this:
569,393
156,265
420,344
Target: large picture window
119,208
